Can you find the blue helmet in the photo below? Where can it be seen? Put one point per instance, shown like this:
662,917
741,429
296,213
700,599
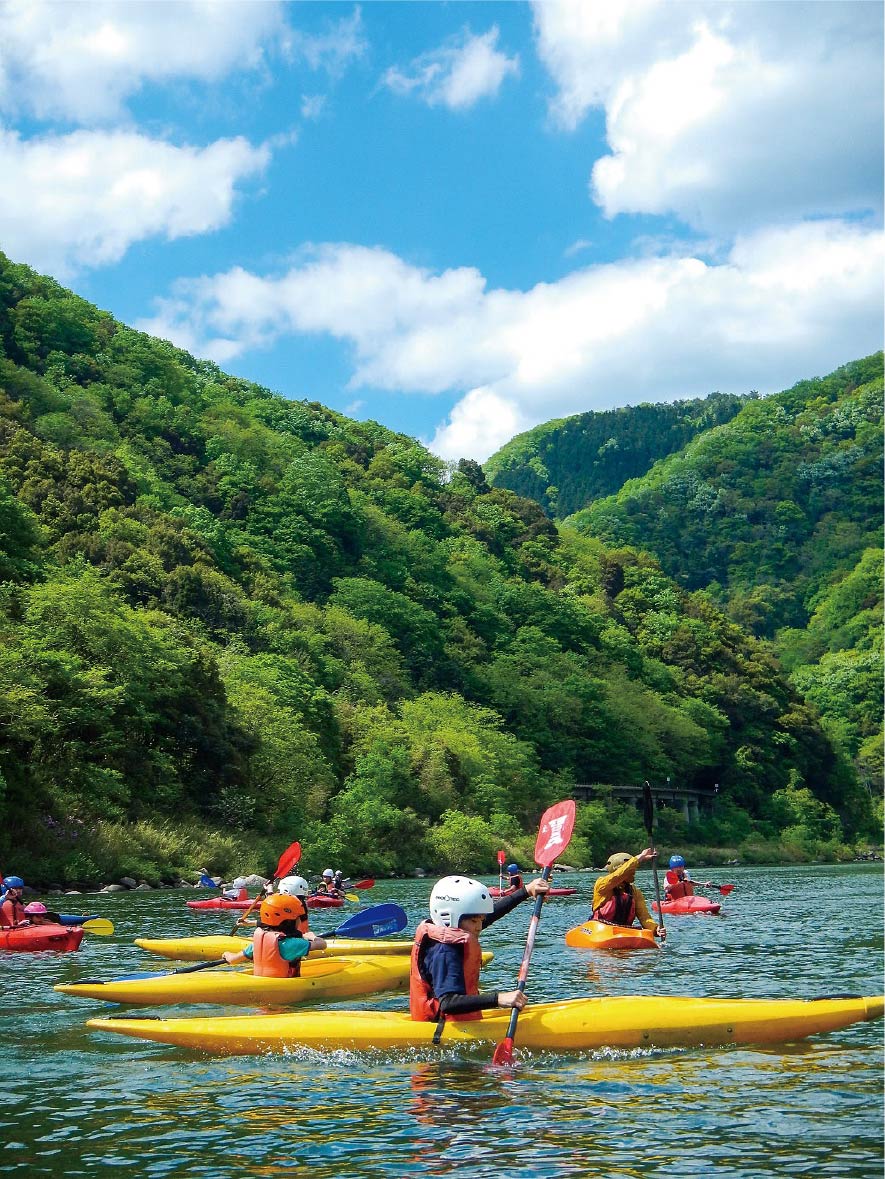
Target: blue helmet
13,882
677,862
513,869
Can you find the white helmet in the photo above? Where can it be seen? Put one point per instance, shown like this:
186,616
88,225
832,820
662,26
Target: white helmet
294,886
328,873
240,882
455,897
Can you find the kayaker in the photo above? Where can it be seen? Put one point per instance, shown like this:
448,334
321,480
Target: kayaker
236,891
326,886
281,939
37,914
446,954
12,909
678,882
617,900
514,876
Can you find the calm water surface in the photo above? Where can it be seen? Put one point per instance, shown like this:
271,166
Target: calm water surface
83,1103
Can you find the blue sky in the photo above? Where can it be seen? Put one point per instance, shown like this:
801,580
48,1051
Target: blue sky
459,219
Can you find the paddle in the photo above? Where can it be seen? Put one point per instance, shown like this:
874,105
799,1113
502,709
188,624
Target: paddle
370,883
99,925
370,923
501,859
725,889
285,865
648,815
554,834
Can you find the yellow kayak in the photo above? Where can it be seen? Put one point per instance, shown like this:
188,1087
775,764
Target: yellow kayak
208,949
321,979
577,1024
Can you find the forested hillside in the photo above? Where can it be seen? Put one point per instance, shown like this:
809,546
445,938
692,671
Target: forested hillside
777,516
231,619
566,463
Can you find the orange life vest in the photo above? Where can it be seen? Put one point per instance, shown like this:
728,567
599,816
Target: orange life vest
267,961
423,1004
12,912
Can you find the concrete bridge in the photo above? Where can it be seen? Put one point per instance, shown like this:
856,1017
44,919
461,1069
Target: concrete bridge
691,801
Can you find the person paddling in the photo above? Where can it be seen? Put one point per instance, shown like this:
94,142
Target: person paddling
12,909
678,882
282,937
617,900
514,876
446,954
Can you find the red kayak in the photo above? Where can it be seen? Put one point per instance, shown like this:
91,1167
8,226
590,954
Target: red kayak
553,892
319,901
688,905
60,938
219,903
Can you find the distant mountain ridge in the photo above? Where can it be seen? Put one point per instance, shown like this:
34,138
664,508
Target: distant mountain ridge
566,463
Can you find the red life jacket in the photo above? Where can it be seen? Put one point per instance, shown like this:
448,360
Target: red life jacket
423,1004
12,912
619,909
677,886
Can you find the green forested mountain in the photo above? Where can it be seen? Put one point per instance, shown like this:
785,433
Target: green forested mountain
566,463
777,516
230,620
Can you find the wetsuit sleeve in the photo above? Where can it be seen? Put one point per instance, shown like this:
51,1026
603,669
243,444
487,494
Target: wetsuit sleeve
293,948
504,905
462,1004
248,951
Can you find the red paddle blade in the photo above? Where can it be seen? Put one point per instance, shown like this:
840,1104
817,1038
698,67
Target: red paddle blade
725,889
501,857
554,832
364,884
504,1052
288,860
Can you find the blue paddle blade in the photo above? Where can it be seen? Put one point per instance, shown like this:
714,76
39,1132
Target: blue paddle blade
375,922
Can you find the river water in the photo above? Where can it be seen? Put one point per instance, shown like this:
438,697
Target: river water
76,1102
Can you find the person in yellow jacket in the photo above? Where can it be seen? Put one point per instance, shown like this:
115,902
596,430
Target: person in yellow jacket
617,900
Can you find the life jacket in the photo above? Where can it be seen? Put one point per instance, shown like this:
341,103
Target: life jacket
619,909
677,886
266,958
423,1004
12,912
514,882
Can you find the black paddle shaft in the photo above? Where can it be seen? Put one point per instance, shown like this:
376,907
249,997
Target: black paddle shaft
648,814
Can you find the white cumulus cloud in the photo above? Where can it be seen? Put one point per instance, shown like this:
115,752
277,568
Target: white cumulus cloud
727,114
81,61
785,303
80,200
457,74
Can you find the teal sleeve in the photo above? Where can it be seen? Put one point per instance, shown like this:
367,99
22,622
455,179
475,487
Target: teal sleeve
249,951
293,948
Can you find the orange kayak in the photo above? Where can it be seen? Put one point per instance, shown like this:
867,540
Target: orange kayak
599,935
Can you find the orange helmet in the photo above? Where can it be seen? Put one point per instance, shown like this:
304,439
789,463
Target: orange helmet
279,908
